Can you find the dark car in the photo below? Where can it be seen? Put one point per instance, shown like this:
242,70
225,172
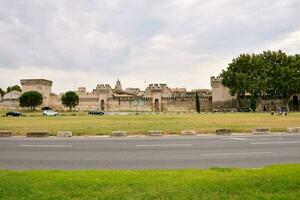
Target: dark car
14,114
244,110
46,108
96,112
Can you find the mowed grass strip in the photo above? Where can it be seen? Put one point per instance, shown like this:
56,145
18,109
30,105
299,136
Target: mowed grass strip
275,182
84,124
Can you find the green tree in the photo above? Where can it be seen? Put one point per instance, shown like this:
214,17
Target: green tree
31,99
271,73
15,87
236,77
8,89
283,75
2,93
197,103
256,80
70,99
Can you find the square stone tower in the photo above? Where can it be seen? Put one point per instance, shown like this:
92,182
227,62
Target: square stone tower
42,86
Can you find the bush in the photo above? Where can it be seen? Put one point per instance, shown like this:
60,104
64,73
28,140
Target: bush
31,99
70,99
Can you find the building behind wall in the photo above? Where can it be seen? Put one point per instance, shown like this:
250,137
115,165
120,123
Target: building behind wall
222,100
10,100
42,86
156,98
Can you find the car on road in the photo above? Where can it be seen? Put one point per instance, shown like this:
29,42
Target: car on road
50,113
14,114
95,112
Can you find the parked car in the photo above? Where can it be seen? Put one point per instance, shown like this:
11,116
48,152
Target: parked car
244,109
95,112
282,110
46,108
14,114
50,113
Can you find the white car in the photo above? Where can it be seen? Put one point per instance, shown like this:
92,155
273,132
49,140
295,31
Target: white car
50,113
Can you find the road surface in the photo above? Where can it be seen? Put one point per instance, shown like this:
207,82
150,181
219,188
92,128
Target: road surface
172,152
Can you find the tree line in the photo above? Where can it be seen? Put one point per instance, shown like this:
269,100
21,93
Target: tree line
9,89
270,73
32,99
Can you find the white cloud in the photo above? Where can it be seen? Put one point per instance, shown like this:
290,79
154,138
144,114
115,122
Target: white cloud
181,43
289,43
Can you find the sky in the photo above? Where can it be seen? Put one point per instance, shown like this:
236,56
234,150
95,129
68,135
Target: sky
179,42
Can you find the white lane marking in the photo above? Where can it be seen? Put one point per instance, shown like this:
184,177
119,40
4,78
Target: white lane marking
233,154
234,138
44,145
288,142
163,145
245,139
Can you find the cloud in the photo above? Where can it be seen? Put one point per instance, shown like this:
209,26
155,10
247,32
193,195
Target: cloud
181,43
289,43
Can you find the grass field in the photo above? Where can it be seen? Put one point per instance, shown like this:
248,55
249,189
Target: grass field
82,124
275,182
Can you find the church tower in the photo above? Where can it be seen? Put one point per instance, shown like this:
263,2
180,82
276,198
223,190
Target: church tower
118,85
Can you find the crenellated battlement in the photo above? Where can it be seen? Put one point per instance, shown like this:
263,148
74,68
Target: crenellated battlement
157,86
215,81
103,87
36,82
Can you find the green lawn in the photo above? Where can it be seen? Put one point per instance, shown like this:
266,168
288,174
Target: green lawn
82,124
275,182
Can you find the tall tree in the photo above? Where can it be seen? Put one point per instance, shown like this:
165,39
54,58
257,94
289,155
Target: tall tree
31,99
256,80
271,73
8,89
70,99
237,75
197,103
2,92
283,75
15,87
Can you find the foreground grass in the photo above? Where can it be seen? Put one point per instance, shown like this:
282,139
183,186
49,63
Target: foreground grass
82,124
276,182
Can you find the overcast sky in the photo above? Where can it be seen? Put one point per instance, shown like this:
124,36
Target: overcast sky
178,42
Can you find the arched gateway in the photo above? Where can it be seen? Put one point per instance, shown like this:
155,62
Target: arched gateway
156,105
102,105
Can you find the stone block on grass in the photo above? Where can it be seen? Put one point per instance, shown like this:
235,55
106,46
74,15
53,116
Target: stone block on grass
188,132
261,130
37,134
154,133
64,134
119,133
293,130
223,131
5,134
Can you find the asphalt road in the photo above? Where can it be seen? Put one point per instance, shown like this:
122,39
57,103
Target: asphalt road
174,152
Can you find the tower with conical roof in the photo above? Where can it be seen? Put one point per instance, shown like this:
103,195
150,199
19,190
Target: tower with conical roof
118,85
